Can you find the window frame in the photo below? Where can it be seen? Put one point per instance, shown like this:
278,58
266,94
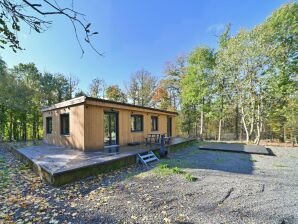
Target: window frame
49,130
133,129
153,119
62,132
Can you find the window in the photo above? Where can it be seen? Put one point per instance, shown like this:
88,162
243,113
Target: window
49,125
136,122
154,123
64,122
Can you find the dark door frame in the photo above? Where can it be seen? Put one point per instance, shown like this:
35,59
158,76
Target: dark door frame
116,114
169,126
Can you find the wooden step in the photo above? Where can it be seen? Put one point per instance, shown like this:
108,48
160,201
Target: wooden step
148,157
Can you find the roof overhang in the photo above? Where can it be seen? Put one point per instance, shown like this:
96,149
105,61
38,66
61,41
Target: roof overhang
88,100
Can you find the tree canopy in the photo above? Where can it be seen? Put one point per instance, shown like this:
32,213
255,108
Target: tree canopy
245,89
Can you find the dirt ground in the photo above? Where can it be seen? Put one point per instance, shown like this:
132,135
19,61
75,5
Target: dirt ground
193,186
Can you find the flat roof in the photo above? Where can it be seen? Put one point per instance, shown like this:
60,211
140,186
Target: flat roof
83,100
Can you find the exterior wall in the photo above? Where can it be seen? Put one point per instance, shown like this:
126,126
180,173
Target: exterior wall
75,138
94,130
174,126
86,124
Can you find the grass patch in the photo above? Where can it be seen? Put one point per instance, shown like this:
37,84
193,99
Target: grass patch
279,165
2,160
253,160
178,170
164,169
24,167
190,177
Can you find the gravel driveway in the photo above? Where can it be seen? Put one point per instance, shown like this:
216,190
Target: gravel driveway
230,188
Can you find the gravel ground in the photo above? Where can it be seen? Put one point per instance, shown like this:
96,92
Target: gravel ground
230,188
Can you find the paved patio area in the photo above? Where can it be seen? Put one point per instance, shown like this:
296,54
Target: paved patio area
239,148
59,161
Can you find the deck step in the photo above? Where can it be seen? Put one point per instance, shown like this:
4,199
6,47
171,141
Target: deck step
148,157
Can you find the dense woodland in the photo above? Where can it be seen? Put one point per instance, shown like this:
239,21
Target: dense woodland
245,89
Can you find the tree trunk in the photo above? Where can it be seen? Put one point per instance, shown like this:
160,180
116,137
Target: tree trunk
252,121
245,126
196,128
201,123
10,127
14,130
236,124
34,126
258,123
219,130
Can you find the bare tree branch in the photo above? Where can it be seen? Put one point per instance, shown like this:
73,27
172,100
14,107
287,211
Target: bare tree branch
12,13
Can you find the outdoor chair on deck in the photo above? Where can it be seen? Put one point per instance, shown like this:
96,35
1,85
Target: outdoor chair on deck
152,139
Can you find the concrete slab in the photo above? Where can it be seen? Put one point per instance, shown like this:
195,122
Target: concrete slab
60,165
238,148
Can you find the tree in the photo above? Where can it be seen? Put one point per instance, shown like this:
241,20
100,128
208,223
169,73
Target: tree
96,88
161,99
174,72
244,64
220,101
5,80
141,87
196,84
72,84
116,94
80,93
15,14
280,35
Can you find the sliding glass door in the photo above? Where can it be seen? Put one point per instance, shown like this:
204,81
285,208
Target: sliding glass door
110,128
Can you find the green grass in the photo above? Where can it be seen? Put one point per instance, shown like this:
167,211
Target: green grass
164,169
279,165
253,160
24,167
178,170
2,160
190,177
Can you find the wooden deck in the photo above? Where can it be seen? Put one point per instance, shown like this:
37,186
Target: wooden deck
59,165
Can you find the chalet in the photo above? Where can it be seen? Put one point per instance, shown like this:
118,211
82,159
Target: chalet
90,124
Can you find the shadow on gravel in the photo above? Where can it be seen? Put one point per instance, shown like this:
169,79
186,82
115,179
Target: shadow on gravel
214,160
